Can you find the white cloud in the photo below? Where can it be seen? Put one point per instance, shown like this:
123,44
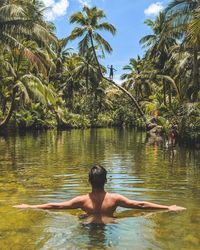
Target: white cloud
85,3
154,9
48,3
56,8
117,79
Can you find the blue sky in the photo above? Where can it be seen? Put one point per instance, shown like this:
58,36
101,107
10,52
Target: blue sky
127,16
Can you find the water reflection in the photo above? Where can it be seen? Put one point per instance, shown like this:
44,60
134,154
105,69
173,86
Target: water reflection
52,167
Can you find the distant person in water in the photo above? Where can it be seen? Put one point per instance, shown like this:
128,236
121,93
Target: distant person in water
111,74
152,127
100,202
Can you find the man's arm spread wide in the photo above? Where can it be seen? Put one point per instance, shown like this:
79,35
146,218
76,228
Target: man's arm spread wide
71,204
122,201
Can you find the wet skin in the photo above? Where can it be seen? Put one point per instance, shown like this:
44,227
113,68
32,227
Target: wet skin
100,202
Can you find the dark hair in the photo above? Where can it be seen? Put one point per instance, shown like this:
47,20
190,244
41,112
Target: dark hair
97,176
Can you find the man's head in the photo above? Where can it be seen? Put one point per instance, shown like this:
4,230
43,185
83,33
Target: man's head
97,177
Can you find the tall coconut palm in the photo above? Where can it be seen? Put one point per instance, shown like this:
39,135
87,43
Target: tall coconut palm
159,44
136,77
62,54
133,69
89,23
185,18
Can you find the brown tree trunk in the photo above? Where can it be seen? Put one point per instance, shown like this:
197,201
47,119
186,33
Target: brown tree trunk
164,93
170,97
6,120
195,69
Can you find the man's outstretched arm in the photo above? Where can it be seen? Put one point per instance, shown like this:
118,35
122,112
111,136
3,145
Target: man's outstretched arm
122,201
71,204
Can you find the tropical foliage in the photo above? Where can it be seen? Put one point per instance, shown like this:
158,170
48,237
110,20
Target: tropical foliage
45,84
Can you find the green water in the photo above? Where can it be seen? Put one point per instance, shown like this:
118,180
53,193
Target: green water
52,167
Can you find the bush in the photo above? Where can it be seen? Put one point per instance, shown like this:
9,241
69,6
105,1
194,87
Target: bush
76,120
105,120
34,118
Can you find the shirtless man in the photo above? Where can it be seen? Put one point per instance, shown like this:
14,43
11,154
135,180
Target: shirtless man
100,202
111,74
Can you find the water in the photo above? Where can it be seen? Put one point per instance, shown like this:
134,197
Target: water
53,166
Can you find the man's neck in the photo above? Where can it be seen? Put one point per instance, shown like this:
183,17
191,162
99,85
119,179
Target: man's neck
97,190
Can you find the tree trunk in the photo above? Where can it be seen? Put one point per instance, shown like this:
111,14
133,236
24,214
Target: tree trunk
87,78
116,85
164,93
195,69
170,97
5,122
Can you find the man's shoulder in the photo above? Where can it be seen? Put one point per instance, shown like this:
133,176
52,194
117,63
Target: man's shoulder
114,195
81,198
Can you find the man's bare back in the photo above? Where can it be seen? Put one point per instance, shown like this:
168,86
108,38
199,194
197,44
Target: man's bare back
99,203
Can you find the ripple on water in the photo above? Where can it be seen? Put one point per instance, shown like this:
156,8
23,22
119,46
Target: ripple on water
54,166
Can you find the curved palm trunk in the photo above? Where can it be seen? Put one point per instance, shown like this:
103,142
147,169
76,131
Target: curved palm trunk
173,84
5,122
115,84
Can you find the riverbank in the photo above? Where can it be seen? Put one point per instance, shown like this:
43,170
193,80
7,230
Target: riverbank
183,139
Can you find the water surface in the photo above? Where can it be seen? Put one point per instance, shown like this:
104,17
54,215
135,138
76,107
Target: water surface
52,167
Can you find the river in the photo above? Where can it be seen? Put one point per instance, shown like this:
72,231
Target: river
52,166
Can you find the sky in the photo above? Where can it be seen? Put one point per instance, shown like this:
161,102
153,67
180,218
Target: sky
127,16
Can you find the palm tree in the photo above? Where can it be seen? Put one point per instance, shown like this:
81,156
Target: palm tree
62,54
136,78
89,22
159,44
20,22
24,21
133,69
22,84
185,18
71,80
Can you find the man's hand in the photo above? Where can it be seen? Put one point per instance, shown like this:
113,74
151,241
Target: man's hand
22,206
176,208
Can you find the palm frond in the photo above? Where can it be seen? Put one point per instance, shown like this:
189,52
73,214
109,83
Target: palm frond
181,6
77,18
107,27
11,11
148,40
77,33
84,44
101,41
23,91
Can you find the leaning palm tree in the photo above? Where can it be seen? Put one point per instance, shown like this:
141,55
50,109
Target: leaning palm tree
89,23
